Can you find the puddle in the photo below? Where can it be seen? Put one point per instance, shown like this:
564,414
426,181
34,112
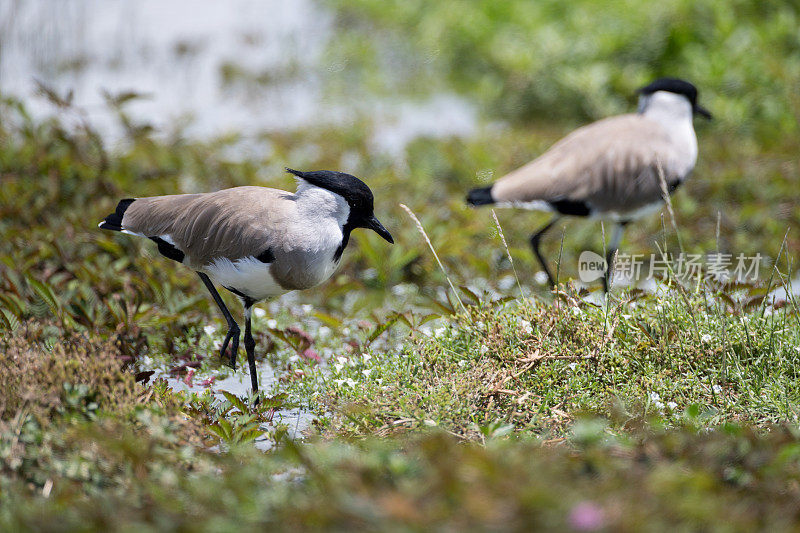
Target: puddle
297,420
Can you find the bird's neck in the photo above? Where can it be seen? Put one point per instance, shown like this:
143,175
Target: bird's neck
668,109
674,113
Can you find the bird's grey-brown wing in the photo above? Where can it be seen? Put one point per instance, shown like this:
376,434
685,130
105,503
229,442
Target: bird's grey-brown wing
609,165
232,223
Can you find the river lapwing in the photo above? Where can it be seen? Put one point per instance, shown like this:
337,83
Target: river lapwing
257,242
611,169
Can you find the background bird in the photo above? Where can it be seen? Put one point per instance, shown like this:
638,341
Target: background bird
257,242
615,169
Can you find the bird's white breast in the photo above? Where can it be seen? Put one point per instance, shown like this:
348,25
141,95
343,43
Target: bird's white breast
247,275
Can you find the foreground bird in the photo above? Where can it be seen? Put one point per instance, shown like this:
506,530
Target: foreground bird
256,242
611,169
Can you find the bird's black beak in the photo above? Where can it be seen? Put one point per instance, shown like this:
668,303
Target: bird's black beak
375,225
702,111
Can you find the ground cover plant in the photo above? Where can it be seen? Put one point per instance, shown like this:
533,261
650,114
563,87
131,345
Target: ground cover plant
449,392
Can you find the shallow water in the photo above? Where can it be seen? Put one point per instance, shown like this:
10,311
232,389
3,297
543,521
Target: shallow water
238,383
242,66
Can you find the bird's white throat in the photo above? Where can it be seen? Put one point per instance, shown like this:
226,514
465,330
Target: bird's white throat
674,112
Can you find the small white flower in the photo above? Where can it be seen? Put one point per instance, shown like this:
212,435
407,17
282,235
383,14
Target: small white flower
272,323
438,332
672,405
462,363
324,331
338,367
525,326
365,357
506,282
573,366
705,339
366,372
210,330
307,308
217,344
402,289
484,349
480,325
260,313
345,331
294,358
339,382
343,360
540,277
577,311
656,399
716,388
351,382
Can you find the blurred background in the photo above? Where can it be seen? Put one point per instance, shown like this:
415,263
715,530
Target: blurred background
423,100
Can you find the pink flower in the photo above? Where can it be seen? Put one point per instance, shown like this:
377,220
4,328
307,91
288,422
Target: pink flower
189,376
311,355
586,516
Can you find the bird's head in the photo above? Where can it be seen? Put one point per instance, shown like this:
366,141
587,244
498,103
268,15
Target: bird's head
671,86
354,191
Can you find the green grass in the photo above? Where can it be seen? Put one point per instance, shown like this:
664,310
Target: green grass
532,365
108,476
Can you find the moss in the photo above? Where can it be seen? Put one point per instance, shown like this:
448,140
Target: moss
44,381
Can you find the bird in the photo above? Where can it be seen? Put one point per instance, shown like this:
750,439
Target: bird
256,242
610,169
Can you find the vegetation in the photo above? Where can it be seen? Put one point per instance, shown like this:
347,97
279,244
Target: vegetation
491,405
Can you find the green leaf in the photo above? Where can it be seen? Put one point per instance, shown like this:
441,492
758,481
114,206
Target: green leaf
45,293
235,401
249,435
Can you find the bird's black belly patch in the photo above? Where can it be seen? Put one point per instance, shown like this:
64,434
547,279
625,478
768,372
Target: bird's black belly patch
168,250
572,208
266,256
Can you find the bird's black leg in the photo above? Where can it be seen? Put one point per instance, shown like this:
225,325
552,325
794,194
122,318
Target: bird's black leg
233,328
535,238
612,251
250,344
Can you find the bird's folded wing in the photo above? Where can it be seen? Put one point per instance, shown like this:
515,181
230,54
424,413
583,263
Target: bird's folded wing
232,223
612,163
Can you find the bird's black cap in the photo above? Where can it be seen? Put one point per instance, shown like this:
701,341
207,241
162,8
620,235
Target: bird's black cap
677,86
349,187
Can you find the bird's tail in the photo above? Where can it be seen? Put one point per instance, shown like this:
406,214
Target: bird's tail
480,196
113,221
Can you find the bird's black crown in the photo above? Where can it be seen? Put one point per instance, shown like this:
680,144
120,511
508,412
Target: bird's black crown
672,85
677,86
349,187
